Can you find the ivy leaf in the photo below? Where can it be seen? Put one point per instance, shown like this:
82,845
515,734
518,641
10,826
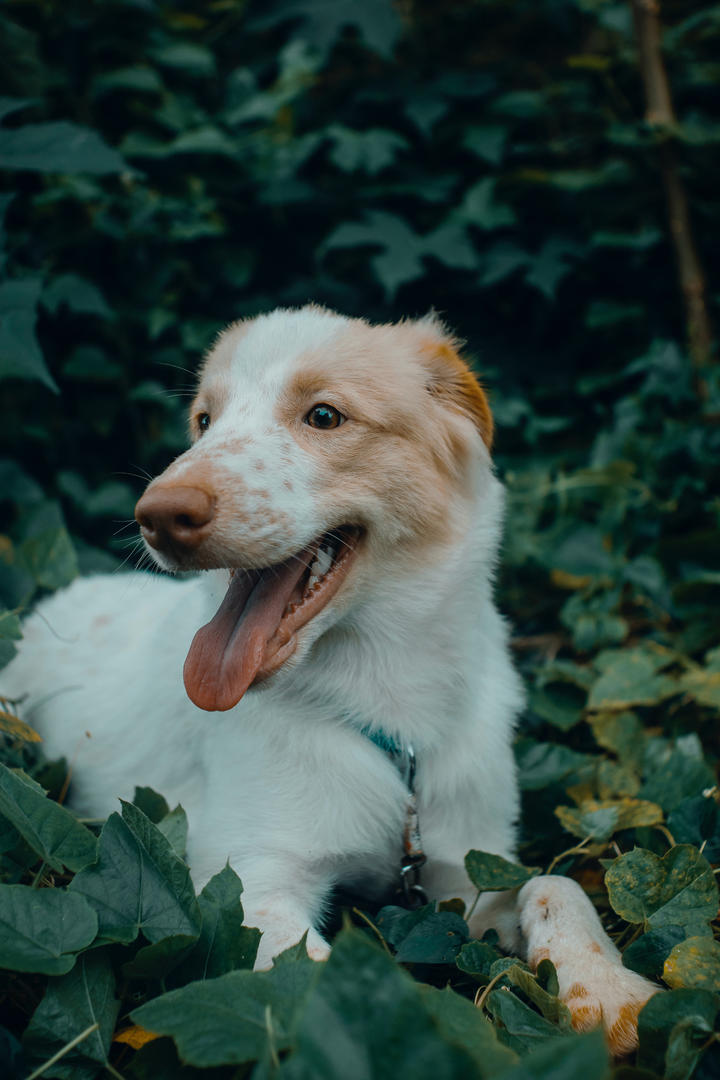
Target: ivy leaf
461,1024
519,1026
322,22
224,1021
77,294
401,260
648,954
368,151
600,819
50,830
696,820
84,997
41,930
139,884
481,208
492,873
694,963
365,1009
677,890
225,944
574,1056
551,265
60,147
630,677
20,355
487,141
676,1025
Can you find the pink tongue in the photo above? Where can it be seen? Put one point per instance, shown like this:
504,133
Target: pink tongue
227,653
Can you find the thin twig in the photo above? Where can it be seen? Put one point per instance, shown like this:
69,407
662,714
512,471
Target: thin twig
63,1051
373,927
660,115
481,996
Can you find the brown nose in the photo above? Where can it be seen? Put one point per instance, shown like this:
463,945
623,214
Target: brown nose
174,516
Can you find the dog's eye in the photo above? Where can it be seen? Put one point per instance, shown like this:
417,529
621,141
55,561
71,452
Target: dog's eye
203,421
324,417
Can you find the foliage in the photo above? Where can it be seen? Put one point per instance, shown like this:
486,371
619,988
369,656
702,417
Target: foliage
168,168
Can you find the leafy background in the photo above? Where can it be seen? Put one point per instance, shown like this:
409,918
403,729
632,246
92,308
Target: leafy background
169,167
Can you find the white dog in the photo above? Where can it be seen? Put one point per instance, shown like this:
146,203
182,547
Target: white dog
341,473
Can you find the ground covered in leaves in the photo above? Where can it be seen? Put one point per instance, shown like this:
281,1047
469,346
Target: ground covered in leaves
167,168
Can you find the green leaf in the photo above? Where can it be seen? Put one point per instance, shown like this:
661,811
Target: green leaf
139,884
600,819
461,1024
322,22
224,944
696,820
71,1004
487,141
41,930
153,805
436,939
677,890
174,827
519,1026
549,1004
401,260
630,677
191,59
674,771
481,208
670,1018
60,147
20,355
477,958
368,151
365,1009
77,294
694,963
648,954
575,1056
491,873
50,830
51,557
237,1017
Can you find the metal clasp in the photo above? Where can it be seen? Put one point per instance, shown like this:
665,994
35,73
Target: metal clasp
414,858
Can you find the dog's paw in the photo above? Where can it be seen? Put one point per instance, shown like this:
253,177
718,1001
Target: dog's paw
560,923
607,994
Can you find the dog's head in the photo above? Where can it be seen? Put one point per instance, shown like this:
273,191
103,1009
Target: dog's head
324,450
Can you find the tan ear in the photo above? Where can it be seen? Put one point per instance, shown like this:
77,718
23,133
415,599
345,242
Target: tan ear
451,380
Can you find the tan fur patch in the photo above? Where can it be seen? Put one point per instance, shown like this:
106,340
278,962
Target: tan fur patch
622,1036
451,379
594,947
584,1017
577,990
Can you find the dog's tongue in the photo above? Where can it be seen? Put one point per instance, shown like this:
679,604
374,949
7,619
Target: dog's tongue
227,653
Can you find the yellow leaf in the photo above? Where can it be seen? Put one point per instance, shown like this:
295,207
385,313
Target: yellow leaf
135,1036
17,729
564,580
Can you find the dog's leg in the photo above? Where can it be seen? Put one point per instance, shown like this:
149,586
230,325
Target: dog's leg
559,923
283,922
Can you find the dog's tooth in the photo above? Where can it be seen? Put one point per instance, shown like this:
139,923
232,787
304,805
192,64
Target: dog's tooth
322,564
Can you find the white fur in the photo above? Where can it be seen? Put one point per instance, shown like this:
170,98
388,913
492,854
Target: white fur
285,785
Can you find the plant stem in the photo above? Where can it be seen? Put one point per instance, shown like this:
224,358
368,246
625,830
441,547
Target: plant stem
63,1051
660,115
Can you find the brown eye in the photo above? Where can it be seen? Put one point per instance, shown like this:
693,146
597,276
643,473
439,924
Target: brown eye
324,417
203,422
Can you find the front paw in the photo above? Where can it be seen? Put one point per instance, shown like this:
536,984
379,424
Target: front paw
560,924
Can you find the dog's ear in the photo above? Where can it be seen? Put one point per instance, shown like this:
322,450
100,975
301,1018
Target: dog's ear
449,377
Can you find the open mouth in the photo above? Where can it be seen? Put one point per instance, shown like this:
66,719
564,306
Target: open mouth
254,630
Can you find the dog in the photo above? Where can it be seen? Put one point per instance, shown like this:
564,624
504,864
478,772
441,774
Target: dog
340,498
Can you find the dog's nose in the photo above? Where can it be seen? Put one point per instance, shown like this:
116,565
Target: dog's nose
175,515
